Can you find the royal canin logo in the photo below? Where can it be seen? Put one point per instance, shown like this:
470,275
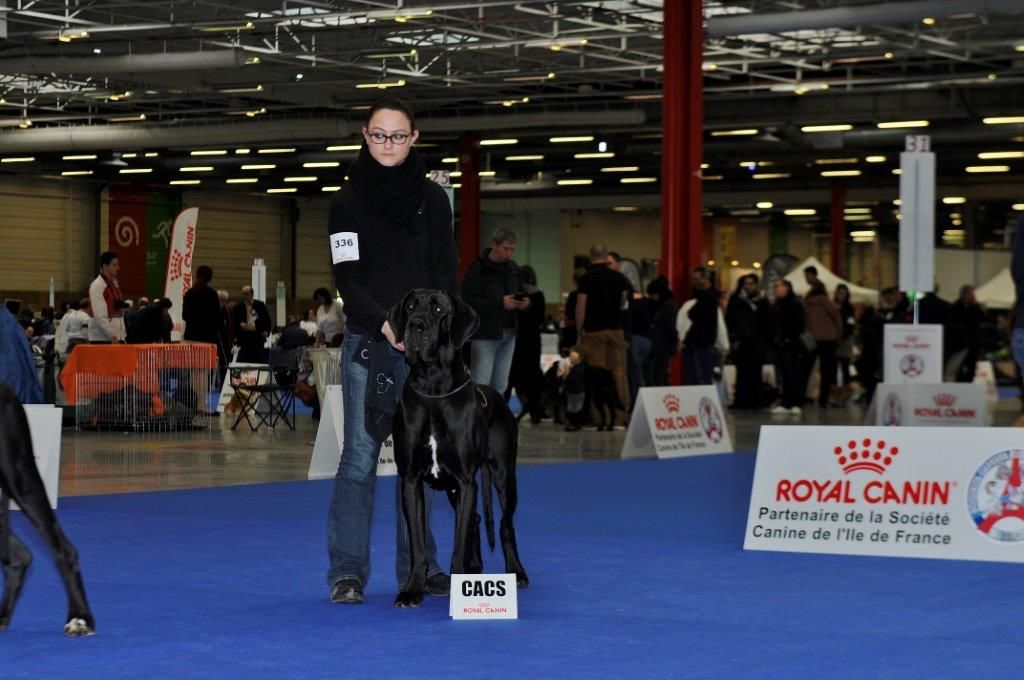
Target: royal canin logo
944,399
911,338
868,455
175,265
671,403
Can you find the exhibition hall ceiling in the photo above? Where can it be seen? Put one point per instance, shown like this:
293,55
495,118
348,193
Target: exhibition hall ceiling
795,92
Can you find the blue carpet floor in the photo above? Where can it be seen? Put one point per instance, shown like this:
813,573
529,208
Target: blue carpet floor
636,569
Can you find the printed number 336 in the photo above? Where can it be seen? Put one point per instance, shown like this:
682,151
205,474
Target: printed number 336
344,243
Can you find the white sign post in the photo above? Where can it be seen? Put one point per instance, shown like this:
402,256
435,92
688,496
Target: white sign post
259,280
950,493
912,353
917,210
330,436
476,597
669,422
931,405
44,423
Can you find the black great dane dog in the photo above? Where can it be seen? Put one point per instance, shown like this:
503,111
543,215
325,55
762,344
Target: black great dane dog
19,479
446,428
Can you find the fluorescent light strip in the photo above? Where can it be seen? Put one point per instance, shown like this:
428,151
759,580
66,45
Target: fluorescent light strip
185,181
152,154
322,164
765,205
954,200
130,155
574,182
345,147
456,173
625,208
857,211
498,142
622,168
197,168
287,190
483,173
210,152
241,90
72,173
18,159
896,125
276,150
836,161
331,189
81,157
797,212
300,179
712,178
127,119
243,180
973,169
604,154
734,133
136,171
264,166
995,155
875,159
638,180
533,157
569,140
452,159
841,173
771,175
381,85
1003,120
826,128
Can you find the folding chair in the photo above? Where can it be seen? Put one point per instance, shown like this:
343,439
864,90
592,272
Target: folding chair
271,386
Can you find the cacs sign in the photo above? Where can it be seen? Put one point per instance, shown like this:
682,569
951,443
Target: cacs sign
914,492
483,596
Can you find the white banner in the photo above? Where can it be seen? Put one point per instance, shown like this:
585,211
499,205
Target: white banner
912,353
44,424
179,265
917,215
921,404
676,421
950,493
330,436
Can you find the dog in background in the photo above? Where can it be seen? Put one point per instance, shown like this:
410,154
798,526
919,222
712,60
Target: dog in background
588,387
19,479
446,428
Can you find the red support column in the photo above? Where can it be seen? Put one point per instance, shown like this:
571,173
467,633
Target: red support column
469,201
837,227
682,122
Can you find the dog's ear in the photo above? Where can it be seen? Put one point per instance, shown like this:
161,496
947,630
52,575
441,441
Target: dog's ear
464,322
398,316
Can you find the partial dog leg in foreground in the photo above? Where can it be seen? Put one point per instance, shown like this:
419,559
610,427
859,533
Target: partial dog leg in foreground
19,479
415,588
501,471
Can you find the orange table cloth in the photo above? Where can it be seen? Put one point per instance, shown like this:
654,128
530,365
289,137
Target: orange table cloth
108,366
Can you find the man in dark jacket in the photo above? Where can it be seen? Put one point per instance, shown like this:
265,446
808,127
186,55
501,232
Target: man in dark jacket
152,323
493,286
603,297
251,321
200,310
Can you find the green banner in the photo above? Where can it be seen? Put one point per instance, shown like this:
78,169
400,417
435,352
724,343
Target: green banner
161,210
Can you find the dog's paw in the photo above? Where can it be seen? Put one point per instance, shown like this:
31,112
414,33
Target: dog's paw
522,580
78,628
408,598
4,624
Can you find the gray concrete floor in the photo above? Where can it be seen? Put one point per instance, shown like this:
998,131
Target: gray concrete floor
116,462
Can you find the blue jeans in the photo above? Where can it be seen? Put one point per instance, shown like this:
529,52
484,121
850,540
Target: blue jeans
348,520
1017,342
491,360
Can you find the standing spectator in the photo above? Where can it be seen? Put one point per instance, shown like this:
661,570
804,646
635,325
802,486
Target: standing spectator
869,364
292,336
45,325
152,323
965,320
826,327
227,333
897,307
391,231
845,351
107,303
73,328
811,275
200,310
308,323
526,377
570,334
252,328
493,286
640,319
748,320
698,324
330,319
788,321
664,336
599,305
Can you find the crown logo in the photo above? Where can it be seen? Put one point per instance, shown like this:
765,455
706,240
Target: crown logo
911,338
865,455
671,403
176,265
944,399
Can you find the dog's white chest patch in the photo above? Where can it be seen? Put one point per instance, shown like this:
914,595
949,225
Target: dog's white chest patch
435,469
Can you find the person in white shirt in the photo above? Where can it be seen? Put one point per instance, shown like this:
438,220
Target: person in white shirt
308,324
107,303
74,325
330,319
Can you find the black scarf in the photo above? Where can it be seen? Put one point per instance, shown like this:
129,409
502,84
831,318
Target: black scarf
398,193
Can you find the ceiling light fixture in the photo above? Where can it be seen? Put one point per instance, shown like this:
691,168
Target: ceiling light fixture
135,171
765,205
72,173
185,181
638,180
839,127
606,154
242,90
286,190
209,152
306,178
345,147
993,155
875,159
127,119
1003,120
383,85
899,124
243,180
797,212
574,182
529,157
622,168
224,28
498,142
197,168
80,157
569,140
973,169
841,173
291,150
954,200
836,161
735,133
771,175
263,166
529,79
18,159
330,189
322,164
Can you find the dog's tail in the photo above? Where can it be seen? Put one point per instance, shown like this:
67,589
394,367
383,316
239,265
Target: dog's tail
485,473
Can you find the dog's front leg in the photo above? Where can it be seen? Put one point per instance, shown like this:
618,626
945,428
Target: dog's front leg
15,558
412,504
463,550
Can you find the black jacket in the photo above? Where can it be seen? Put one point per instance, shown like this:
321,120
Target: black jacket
485,283
703,320
789,320
200,310
151,324
391,259
749,324
261,318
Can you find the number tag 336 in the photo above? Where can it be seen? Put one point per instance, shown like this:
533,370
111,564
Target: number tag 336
344,246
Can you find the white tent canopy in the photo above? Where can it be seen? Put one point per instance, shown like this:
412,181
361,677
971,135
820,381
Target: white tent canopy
997,292
858,294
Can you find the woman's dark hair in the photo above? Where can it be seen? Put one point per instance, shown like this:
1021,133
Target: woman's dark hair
322,294
743,281
786,283
529,275
817,288
658,288
842,287
392,104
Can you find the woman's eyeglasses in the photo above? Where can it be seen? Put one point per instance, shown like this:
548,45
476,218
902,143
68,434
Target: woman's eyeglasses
395,137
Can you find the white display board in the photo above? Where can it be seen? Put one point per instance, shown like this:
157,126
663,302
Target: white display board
669,422
917,215
985,375
479,597
912,353
931,405
330,436
44,423
946,493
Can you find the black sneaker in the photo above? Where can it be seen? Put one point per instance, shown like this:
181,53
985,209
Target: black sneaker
347,591
439,584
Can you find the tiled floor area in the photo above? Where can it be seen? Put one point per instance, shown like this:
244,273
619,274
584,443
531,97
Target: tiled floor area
114,462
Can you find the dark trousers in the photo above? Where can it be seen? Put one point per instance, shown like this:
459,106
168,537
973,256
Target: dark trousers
656,368
826,352
748,379
791,370
698,366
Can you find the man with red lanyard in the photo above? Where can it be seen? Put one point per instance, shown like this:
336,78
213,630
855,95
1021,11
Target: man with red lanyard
107,304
